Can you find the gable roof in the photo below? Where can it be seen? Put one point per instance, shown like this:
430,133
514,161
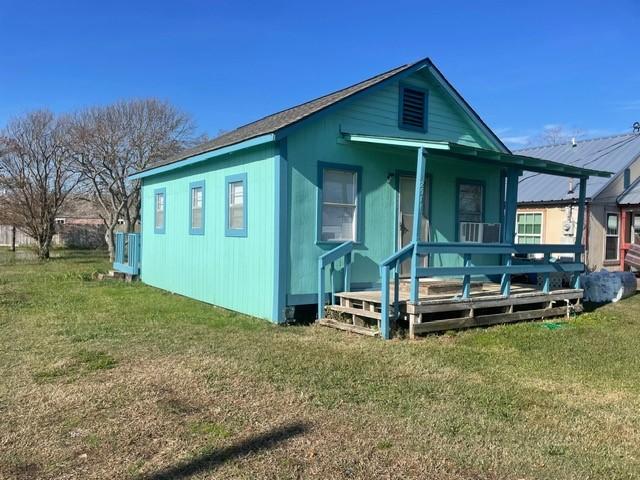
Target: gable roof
286,118
631,196
613,153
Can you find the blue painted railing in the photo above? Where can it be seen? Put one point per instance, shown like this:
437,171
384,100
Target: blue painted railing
127,253
386,267
342,251
417,250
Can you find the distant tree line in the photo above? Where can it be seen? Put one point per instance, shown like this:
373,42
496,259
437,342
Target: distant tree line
90,154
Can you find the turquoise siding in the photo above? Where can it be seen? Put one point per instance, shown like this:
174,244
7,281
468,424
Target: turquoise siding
281,248
377,113
232,272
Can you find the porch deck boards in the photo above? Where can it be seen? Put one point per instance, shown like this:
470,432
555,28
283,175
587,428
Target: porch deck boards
436,312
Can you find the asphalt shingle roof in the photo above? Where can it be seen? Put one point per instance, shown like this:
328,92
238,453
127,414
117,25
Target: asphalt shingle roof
276,121
612,154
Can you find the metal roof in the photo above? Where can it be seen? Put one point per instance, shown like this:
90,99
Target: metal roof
613,154
456,150
631,196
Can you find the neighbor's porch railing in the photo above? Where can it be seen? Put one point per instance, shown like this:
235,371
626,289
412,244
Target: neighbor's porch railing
342,251
127,254
468,269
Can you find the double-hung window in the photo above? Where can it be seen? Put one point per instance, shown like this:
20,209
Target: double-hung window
529,228
196,212
339,208
160,206
612,237
236,205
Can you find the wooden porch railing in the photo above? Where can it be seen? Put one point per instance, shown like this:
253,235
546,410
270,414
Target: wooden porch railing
342,251
127,253
467,250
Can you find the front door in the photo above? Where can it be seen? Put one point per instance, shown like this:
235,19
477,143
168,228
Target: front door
406,196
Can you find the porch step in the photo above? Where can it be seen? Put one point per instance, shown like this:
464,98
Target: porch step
492,319
329,322
354,311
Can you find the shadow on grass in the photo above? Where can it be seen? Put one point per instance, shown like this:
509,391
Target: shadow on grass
211,460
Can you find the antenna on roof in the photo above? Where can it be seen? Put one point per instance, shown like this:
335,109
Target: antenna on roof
573,142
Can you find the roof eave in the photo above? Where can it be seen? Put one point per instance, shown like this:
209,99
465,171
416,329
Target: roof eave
202,157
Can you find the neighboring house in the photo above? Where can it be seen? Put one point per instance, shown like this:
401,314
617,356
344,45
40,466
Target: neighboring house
320,199
547,205
78,225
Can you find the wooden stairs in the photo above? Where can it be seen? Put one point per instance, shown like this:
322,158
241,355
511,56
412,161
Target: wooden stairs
438,309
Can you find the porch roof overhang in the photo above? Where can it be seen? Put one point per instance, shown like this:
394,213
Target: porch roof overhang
456,150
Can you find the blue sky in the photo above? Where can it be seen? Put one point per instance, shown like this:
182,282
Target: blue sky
521,65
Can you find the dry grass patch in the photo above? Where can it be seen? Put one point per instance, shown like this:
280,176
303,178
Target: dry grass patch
109,380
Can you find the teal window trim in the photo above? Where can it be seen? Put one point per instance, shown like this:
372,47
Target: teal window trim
469,181
157,192
235,232
322,166
404,126
192,187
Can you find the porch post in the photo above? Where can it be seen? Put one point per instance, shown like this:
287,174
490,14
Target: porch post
623,236
509,230
417,217
582,196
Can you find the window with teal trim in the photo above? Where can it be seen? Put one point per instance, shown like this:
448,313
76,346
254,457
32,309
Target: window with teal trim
196,212
413,109
236,205
339,208
160,206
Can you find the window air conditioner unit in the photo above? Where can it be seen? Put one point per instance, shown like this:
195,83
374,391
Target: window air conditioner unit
473,232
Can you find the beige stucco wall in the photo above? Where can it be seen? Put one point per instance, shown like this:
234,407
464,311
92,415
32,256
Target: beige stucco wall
553,220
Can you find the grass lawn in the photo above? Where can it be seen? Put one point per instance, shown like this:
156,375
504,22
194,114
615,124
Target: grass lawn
113,380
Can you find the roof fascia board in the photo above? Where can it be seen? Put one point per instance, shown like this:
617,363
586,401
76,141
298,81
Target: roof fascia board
467,109
551,203
400,142
252,142
285,131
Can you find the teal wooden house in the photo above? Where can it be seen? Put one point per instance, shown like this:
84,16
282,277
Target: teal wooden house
384,204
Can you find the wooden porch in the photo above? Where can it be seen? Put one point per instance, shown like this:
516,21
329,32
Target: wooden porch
481,277
440,307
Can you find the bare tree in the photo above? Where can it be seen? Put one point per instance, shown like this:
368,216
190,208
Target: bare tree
35,173
557,134
115,141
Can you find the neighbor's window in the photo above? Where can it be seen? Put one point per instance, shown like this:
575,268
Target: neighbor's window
636,228
470,202
529,228
236,214
160,207
339,205
612,240
197,208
